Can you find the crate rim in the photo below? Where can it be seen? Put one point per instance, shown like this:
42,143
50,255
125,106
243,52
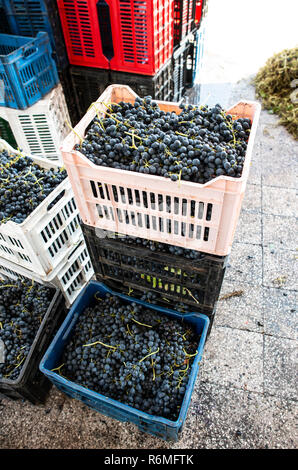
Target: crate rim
50,277
42,35
69,321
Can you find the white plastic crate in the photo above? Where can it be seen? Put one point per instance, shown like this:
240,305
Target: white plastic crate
48,234
70,276
41,128
197,216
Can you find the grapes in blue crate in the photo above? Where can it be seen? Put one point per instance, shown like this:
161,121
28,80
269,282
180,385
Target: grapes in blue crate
132,354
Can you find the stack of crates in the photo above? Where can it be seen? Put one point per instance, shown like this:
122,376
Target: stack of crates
152,242
48,246
37,106
150,45
154,46
143,44
189,227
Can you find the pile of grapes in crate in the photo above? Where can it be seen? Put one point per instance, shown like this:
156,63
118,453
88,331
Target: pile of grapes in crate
24,185
132,354
23,306
197,145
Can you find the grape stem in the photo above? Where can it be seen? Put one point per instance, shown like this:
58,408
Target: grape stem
150,354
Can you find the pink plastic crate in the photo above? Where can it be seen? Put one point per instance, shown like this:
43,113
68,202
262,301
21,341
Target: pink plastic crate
197,216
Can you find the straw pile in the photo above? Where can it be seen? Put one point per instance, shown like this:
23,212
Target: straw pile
277,87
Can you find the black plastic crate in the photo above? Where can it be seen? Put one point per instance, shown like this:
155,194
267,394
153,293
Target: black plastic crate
194,281
160,86
184,61
31,384
70,96
87,84
4,26
28,17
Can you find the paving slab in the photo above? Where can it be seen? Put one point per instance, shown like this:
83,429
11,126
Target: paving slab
252,200
241,419
280,232
234,358
240,307
245,264
280,366
282,202
249,228
280,268
280,313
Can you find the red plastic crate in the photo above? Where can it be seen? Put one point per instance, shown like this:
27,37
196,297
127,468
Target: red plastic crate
123,35
199,11
184,16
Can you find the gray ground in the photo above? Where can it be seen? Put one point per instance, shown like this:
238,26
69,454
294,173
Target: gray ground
246,391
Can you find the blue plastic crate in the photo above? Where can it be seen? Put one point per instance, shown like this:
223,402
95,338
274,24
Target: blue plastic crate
158,426
199,52
19,13
27,70
29,17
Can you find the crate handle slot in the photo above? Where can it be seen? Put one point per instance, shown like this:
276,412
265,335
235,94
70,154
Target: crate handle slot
105,29
54,202
30,51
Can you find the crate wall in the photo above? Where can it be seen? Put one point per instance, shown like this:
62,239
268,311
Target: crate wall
6,133
195,67
89,83
184,19
70,276
4,25
160,86
201,10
